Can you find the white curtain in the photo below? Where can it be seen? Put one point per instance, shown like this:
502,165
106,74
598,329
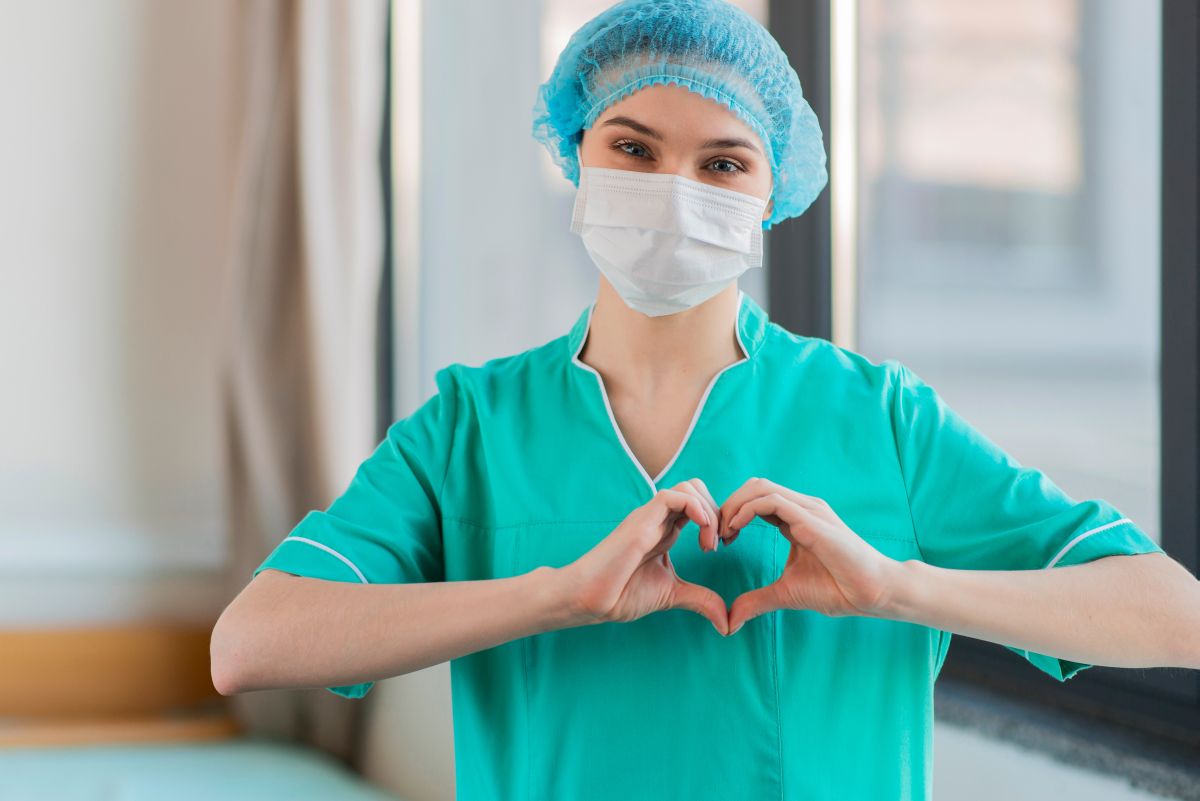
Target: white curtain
304,262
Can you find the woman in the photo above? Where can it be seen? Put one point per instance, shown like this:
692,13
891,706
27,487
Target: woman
536,521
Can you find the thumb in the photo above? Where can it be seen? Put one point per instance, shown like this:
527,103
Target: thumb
702,601
751,604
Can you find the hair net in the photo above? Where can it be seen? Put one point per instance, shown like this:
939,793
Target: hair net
710,47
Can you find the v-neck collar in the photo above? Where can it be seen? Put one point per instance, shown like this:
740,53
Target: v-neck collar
752,323
751,329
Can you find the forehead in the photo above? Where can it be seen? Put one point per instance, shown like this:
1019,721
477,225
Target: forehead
678,113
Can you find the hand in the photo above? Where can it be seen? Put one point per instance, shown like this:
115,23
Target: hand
629,573
830,569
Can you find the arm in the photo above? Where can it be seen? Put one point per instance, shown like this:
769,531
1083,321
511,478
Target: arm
976,508
1128,611
292,631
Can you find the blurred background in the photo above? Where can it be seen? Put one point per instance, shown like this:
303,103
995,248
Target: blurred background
240,237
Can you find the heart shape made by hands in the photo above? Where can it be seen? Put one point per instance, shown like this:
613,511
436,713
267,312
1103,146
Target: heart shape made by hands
829,569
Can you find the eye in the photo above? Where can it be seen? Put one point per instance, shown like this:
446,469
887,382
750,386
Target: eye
623,144
733,166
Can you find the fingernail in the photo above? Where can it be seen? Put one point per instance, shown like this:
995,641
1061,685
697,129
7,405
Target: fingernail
739,627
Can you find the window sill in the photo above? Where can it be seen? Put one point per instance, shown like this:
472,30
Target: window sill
1156,765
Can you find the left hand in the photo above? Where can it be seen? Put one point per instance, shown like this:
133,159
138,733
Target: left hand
830,569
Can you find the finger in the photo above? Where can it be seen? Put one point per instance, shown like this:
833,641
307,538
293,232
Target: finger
756,487
753,603
798,519
751,488
685,501
708,528
712,506
703,601
813,503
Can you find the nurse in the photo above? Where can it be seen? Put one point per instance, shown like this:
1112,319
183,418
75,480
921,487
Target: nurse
679,552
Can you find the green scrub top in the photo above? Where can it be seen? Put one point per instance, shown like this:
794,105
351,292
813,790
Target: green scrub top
518,462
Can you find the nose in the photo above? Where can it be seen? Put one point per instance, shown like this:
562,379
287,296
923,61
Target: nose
679,166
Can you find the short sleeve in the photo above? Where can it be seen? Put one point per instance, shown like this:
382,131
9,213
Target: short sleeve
385,527
975,507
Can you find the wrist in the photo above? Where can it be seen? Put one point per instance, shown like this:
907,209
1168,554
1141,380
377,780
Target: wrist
908,579
560,598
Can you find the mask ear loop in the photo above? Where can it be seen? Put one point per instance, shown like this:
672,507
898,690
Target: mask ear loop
756,244
580,202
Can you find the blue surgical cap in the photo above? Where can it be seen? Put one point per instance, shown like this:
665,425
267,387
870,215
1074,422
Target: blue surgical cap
710,47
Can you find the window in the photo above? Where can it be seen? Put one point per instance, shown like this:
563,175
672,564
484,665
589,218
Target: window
1012,213
1008,226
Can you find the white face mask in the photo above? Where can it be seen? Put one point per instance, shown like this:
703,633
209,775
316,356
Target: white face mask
665,242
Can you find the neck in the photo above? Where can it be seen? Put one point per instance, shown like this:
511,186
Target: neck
646,352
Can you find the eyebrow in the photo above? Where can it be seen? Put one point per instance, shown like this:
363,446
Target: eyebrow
711,144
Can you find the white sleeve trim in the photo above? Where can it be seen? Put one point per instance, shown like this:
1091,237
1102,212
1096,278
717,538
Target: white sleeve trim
1087,533
327,549
1075,542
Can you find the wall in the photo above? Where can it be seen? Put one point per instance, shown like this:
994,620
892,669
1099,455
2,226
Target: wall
113,153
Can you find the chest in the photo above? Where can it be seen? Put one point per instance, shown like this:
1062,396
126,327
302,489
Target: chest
543,478
654,430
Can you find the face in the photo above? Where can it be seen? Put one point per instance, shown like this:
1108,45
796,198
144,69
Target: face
667,128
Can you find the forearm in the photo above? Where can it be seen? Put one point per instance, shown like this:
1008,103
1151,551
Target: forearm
304,632
1113,611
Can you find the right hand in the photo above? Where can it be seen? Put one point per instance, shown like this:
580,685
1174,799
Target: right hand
629,574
